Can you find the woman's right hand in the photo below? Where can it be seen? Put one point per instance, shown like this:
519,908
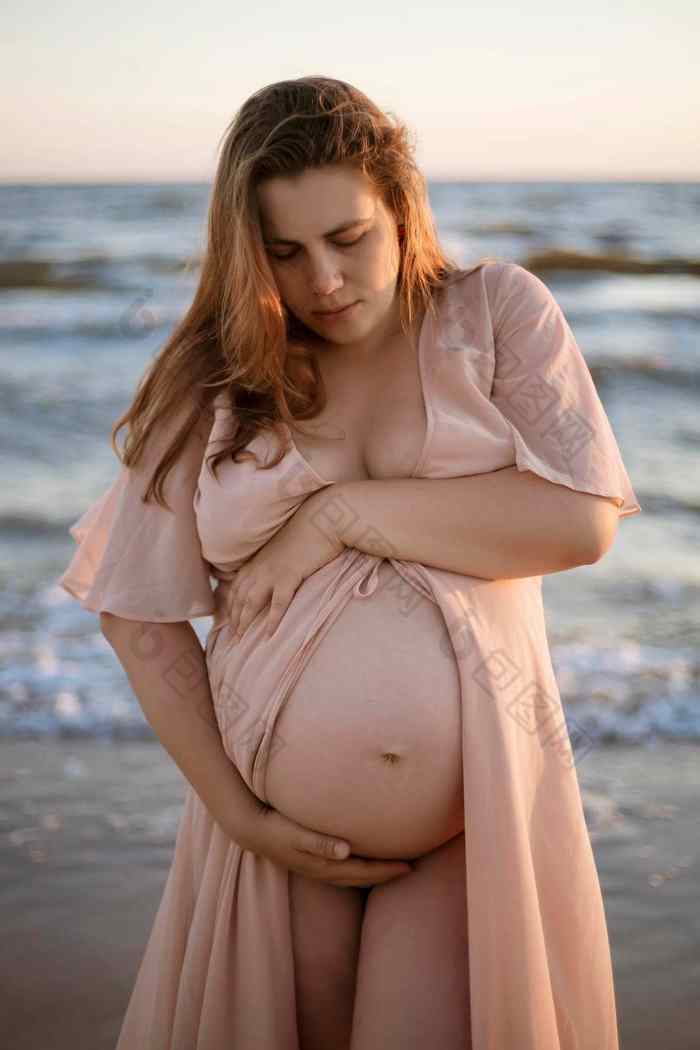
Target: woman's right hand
311,853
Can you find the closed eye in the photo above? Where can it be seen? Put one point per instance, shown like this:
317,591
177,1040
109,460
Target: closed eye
340,244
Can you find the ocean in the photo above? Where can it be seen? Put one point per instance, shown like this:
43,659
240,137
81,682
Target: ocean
92,280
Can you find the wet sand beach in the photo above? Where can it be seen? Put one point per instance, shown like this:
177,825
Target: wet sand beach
87,830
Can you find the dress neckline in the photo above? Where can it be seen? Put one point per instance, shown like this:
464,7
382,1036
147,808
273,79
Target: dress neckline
427,404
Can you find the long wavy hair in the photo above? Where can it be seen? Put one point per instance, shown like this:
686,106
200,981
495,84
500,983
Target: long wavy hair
237,336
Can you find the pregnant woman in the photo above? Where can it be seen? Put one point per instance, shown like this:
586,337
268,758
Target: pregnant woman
376,455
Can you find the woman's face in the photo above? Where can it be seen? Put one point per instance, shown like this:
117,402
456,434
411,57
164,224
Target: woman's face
331,241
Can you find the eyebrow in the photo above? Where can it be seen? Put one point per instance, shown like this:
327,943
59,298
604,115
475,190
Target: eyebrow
330,233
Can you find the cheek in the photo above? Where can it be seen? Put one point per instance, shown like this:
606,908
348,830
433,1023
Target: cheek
380,264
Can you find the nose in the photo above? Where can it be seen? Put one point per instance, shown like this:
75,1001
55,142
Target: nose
324,278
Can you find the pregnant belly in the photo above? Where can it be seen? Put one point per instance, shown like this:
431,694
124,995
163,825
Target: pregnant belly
372,729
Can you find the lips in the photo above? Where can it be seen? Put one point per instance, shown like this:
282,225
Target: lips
331,313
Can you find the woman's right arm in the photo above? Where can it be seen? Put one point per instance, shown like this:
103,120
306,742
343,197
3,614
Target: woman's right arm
166,667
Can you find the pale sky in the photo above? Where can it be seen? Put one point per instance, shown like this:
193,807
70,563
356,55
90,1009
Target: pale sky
490,90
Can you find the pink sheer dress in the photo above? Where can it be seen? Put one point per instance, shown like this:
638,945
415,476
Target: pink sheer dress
395,705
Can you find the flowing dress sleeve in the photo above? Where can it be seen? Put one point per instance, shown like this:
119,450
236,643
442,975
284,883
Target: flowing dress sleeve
544,389
139,560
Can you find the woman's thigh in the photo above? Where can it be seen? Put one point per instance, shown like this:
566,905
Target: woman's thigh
412,988
326,927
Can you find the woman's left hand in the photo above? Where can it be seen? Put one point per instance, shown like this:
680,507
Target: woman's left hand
304,544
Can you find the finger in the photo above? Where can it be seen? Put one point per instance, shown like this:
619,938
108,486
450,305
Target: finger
243,609
368,873
279,603
352,870
255,600
286,586
376,871
236,599
234,611
368,880
320,845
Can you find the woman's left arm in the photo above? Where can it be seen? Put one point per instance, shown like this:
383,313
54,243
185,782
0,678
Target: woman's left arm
504,524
